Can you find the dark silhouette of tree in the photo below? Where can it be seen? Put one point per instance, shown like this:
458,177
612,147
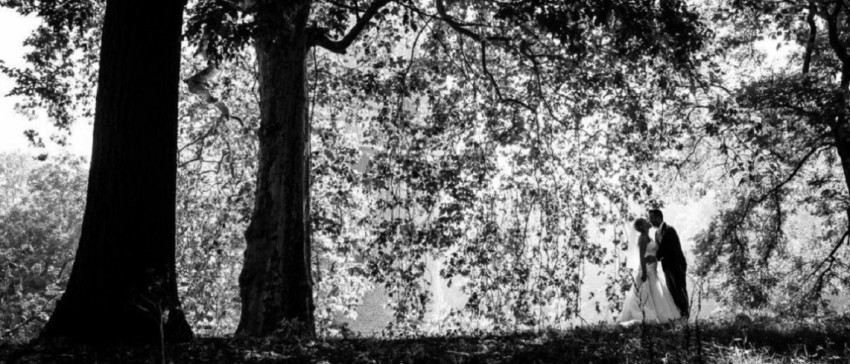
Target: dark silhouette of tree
123,287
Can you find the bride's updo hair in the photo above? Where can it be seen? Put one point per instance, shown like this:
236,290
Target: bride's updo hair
640,223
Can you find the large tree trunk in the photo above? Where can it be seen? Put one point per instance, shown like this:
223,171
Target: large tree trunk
123,280
276,284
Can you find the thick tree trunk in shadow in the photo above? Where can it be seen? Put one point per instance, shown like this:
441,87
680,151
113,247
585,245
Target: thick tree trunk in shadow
123,287
276,284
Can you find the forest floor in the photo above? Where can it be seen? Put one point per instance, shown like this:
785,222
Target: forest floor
730,341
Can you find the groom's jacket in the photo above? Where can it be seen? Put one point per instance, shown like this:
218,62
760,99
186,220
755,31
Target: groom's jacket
670,250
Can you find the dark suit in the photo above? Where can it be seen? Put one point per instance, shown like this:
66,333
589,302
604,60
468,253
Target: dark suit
674,265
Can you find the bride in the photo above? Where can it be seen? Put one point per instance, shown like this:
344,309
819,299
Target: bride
649,298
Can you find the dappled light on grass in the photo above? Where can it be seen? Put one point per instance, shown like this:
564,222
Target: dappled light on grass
728,342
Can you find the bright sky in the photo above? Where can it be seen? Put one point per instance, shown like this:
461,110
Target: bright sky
15,29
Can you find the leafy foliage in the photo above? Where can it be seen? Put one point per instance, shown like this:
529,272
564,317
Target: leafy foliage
39,230
502,184
776,137
217,165
61,67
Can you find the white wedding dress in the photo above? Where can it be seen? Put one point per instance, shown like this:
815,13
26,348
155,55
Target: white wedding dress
650,300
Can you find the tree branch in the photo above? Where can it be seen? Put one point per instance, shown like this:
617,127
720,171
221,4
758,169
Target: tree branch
829,258
444,16
495,84
752,202
319,37
790,176
482,40
836,44
834,249
201,137
441,9
30,319
338,4
813,31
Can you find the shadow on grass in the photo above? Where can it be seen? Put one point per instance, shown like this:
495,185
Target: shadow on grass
759,341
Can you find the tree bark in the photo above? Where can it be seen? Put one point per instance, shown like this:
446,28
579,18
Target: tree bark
276,284
123,287
841,134
840,125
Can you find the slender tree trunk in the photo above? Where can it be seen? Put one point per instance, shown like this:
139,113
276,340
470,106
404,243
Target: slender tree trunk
276,284
123,287
841,125
842,146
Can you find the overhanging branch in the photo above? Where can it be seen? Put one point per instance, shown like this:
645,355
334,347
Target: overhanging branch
495,84
790,177
482,41
444,16
753,202
441,9
830,260
319,37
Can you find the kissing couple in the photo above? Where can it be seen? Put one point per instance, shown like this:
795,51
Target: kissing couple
653,299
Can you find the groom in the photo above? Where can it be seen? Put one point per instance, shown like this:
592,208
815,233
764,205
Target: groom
672,260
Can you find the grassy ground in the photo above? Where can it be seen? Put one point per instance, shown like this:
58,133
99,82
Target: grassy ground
731,341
